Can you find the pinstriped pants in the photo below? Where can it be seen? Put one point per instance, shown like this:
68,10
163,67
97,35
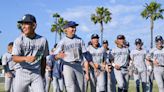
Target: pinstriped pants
159,77
24,78
73,77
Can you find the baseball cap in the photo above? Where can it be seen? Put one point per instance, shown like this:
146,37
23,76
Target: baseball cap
138,41
105,41
158,38
94,36
10,44
127,43
70,24
27,18
120,37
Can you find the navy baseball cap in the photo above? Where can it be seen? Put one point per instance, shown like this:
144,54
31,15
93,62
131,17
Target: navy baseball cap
10,44
94,36
127,43
105,42
138,41
158,38
120,37
70,24
27,18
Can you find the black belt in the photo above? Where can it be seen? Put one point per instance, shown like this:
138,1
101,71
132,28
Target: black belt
161,65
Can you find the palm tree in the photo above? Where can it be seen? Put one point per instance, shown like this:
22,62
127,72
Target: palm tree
58,26
152,11
103,15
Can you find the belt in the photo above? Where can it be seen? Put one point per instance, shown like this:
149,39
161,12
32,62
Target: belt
161,65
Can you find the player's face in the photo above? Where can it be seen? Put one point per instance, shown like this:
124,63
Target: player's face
105,45
121,42
138,46
159,44
70,31
28,28
10,48
95,41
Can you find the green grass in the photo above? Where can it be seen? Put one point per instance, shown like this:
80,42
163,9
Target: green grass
131,87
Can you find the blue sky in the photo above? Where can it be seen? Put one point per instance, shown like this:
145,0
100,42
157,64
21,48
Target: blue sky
126,19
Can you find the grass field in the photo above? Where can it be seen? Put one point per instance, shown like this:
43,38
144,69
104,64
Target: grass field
131,87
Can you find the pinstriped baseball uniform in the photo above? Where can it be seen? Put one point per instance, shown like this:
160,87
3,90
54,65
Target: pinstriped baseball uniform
7,61
111,83
72,70
58,81
98,56
47,82
29,73
138,57
121,57
158,70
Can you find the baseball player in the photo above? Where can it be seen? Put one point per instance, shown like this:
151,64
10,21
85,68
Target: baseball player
8,65
29,52
48,73
56,68
120,63
71,50
91,65
157,56
110,77
138,57
150,74
99,58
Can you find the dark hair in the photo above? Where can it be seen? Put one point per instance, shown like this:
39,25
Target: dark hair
55,45
10,44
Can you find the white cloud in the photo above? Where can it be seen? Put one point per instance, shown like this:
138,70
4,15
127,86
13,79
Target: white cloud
80,12
126,20
84,28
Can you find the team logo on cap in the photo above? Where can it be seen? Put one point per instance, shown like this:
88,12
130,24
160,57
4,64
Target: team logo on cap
24,17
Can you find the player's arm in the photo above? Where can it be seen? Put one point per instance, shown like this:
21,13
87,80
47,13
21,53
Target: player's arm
59,52
17,53
43,66
43,60
19,59
86,67
4,63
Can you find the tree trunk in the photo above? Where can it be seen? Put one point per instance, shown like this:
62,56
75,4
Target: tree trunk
102,28
151,29
60,35
55,37
56,32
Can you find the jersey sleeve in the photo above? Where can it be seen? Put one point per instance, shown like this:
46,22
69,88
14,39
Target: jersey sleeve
17,48
4,60
59,47
104,55
111,58
83,47
46,50
131,55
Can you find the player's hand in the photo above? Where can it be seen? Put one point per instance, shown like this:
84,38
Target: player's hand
108,67
60,55
87,77
30,58
49,78
156,62
97,73
8,74
48,68
103,67
117,66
